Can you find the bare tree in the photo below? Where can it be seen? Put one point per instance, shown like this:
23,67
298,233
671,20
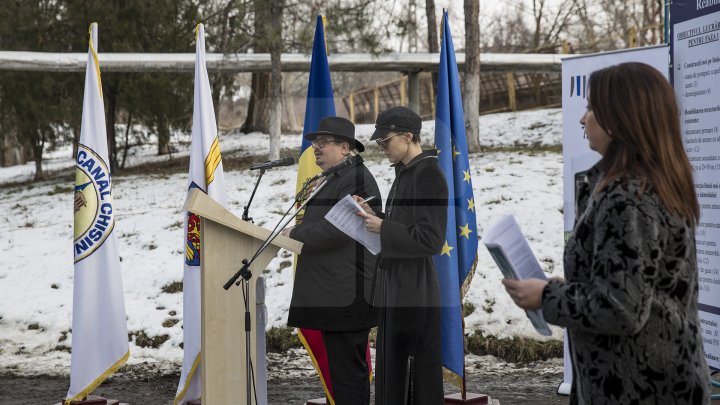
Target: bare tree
276,11
432,36
550,24
615,24
472,74
257,118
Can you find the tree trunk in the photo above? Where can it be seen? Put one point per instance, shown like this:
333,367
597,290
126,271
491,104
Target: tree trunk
38,144
275,79
127,140
258,118
12,152
433,46
471,102
75,125
110,94
163,131
218,80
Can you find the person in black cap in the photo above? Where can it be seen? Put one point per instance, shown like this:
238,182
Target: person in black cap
332,286
407,293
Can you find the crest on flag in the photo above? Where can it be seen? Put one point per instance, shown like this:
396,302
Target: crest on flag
93,208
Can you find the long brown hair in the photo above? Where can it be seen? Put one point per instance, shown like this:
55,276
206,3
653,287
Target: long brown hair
636,106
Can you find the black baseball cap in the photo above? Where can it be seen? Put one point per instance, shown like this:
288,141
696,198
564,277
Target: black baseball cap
396,119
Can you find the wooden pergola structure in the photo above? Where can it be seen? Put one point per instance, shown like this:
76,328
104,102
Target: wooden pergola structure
411,64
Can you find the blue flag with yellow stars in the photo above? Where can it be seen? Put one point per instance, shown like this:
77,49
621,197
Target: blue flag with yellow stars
459,254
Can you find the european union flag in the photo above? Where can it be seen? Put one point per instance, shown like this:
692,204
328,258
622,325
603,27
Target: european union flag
459,254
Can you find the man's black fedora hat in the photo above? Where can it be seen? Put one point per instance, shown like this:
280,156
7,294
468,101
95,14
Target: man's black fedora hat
396,119
337,127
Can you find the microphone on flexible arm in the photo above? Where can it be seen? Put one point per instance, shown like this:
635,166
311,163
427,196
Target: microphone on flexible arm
339,166
287,161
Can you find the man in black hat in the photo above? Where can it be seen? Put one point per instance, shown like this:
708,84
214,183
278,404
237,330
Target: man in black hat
407,292
331,291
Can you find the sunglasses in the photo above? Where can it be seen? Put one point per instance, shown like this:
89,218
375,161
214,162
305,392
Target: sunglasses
383,143
320,143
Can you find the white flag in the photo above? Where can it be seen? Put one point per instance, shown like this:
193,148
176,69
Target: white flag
206,174
99,327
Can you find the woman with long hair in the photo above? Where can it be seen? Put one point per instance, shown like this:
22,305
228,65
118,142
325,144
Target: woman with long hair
629,300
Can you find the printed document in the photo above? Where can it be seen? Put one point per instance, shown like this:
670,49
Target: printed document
516,261
343,216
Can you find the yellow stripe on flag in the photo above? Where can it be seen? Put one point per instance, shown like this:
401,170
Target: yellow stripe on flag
95,57
189,378
96,383
317,367
212,161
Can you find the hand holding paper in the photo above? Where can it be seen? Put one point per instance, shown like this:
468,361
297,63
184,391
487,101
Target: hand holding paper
344,216
524,279
527,294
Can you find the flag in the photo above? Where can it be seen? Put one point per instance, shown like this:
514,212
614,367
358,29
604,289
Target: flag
99,327
206,174
459,254
320,103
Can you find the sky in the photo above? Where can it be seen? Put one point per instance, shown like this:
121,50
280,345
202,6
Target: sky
36,277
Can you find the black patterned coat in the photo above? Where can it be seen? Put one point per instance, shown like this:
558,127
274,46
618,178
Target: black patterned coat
629,301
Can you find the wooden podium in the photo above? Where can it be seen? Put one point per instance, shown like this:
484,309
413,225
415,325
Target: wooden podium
225,240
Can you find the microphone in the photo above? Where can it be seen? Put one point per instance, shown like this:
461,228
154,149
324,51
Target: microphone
288,161
343,164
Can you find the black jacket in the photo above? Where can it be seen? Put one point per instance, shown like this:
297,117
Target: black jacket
407,293
413,230
334,273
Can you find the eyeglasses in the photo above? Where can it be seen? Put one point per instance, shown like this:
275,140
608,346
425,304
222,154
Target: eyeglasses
320,143
383,143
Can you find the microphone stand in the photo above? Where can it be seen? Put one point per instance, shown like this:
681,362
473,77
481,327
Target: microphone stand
245,216
246,275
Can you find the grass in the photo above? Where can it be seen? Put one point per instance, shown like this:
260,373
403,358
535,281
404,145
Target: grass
173,287
60,190
143,340
280,340
517,350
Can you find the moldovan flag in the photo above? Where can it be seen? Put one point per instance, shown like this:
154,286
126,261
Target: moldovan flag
99,327
206,174
459,254
320,103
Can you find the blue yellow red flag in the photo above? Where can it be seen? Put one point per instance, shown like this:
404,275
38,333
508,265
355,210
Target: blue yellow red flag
459,254
320,103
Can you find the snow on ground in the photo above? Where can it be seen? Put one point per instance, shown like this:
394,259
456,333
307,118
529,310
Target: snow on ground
36,276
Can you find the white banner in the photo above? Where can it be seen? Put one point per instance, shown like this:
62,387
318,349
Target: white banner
206,174
696,71
99,328
577,156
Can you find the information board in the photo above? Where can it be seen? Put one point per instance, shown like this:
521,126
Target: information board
695,56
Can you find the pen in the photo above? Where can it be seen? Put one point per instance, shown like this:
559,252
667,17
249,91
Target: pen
367,199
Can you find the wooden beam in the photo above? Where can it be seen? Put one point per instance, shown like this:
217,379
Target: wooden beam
512,101
260,62
352,107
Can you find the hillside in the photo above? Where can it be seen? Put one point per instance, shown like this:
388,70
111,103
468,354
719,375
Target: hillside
520,173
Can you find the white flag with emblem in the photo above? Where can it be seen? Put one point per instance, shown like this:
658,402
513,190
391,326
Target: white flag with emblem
99,327
206,174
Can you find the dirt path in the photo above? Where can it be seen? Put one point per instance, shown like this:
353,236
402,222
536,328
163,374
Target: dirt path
14,390
291,380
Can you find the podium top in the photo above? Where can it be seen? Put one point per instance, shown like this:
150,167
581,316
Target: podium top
202,205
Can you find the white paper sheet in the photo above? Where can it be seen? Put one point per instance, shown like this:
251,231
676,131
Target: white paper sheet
344,217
